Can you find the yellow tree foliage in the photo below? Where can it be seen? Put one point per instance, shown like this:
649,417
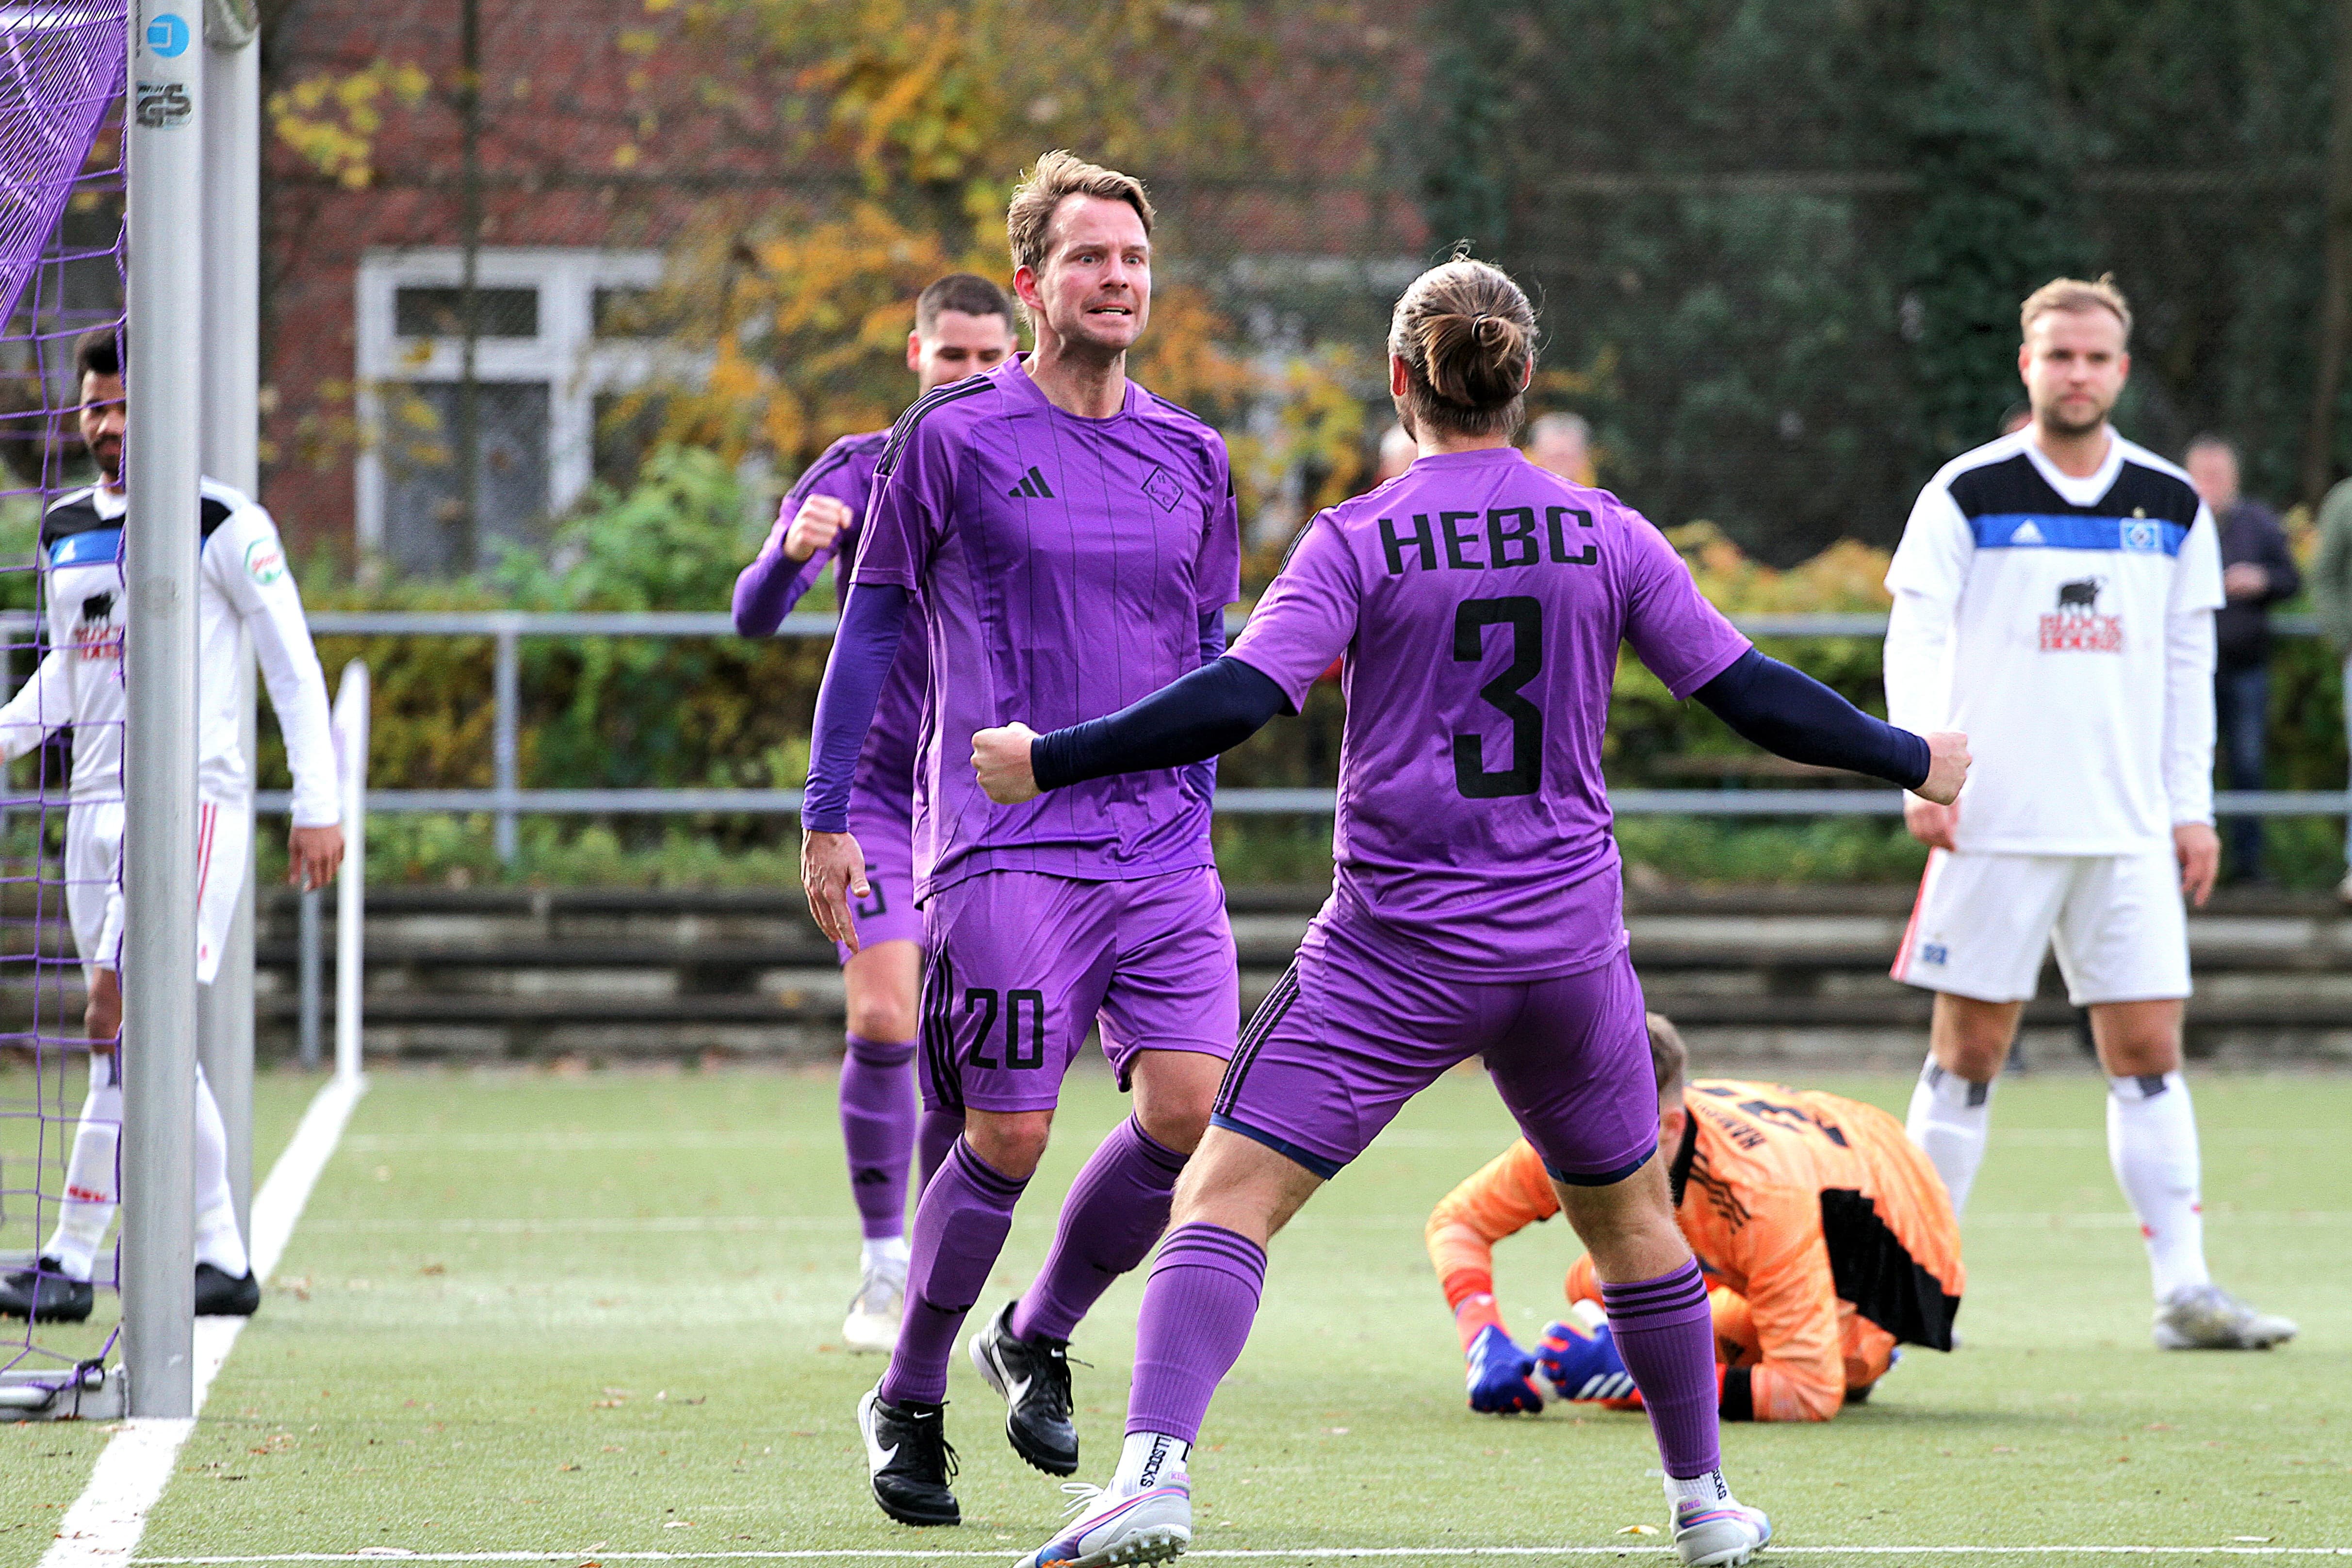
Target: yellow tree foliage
332,120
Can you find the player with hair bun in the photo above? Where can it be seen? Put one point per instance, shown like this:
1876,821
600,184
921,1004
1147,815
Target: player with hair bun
1477,908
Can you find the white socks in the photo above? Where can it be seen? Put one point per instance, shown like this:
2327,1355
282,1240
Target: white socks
2152,1143
888,1256
1950,1120
1149,1459
1708,1488
89,1205
91,1194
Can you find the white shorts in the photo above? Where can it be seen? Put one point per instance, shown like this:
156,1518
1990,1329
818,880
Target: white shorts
94,879
1982,923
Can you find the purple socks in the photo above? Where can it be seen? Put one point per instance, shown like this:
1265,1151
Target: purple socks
961,1224
1197,1310
878,1127
934,1137
1116,1210
1666,1334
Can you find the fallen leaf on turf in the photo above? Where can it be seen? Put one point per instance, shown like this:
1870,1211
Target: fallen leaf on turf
567,1467
1639,1530
2003,1448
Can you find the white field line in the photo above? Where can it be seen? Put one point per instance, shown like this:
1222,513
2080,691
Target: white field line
389,1554
103,1526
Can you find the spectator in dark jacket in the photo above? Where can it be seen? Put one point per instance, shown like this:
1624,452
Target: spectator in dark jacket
2257,572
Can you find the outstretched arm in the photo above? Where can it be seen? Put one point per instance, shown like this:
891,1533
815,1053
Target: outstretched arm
1790,714
1212,709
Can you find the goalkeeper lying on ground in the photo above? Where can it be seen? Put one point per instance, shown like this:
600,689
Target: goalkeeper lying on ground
1825,1235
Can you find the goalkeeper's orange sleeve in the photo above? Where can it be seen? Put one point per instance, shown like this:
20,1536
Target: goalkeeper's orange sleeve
1509,1193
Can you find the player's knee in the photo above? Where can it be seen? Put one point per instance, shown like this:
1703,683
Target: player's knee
1011,1143
882,1017
1177,1126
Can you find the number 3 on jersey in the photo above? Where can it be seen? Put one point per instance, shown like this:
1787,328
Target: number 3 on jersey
1523,617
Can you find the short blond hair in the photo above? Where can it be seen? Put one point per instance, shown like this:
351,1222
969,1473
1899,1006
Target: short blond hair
2075,294
1029,217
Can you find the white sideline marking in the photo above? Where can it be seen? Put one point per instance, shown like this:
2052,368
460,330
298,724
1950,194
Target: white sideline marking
103,1527
393,1555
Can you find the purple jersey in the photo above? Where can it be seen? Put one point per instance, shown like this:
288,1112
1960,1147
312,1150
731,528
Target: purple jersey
886,762
1062,566
1479,600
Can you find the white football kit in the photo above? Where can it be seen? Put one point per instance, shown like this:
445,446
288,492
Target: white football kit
242,582
2065,624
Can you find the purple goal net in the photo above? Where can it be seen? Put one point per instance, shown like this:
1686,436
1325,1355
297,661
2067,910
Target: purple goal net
61,74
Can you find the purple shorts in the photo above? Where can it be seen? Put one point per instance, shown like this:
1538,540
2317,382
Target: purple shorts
1023,964
1354,1030
887,911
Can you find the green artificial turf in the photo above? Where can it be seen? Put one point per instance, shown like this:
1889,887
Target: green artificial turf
598,1313
43,1465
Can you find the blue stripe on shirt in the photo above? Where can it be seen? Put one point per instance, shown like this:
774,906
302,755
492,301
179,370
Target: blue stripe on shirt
87,548
2065,531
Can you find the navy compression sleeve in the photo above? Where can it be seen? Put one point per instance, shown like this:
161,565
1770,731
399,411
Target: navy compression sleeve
863,651
1216,708
1790,714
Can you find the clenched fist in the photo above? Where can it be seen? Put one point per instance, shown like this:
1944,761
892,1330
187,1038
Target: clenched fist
1001,759
815,526
1948,767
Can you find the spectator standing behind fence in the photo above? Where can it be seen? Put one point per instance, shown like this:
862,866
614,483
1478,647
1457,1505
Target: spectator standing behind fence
2331,596
1562,442
2257,572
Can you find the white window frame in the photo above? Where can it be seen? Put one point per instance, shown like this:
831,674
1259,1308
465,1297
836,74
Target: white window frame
567,356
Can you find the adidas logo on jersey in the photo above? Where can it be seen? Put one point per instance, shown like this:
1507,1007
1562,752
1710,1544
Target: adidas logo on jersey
1032,486
2027,534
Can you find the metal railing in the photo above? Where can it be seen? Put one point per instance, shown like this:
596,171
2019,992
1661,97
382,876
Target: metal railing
507,800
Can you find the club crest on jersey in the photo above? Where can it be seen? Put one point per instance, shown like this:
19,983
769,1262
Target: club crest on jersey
1164,487
2077,626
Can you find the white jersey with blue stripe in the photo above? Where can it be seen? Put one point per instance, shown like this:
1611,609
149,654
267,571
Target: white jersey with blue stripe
2067,626
243,584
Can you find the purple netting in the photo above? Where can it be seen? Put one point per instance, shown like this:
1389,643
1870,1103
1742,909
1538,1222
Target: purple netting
61,274
61,69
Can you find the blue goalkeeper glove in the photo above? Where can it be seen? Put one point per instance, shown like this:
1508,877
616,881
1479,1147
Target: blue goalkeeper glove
1581,1362
1502,1375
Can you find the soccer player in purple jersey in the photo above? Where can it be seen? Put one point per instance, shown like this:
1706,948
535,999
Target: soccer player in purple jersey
1477,908
963,325
1072,542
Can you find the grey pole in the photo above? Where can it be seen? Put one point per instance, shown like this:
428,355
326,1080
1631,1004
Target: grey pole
159,950
231,434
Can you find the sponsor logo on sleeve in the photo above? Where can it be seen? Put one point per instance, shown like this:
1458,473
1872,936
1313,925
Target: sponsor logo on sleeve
2077,626
264,562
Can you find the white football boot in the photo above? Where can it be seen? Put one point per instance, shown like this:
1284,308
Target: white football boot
2208,1318
875,1312
1711,1534
1153,1526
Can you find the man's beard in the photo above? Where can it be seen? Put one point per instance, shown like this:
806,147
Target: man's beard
2056,423
108,455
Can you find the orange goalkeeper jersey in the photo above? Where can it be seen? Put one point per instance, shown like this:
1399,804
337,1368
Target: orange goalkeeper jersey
1809,1205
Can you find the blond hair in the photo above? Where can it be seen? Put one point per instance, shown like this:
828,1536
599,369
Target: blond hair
1467,337
2075,294
1029,217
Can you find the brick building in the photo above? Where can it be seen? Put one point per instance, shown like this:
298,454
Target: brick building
609,127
